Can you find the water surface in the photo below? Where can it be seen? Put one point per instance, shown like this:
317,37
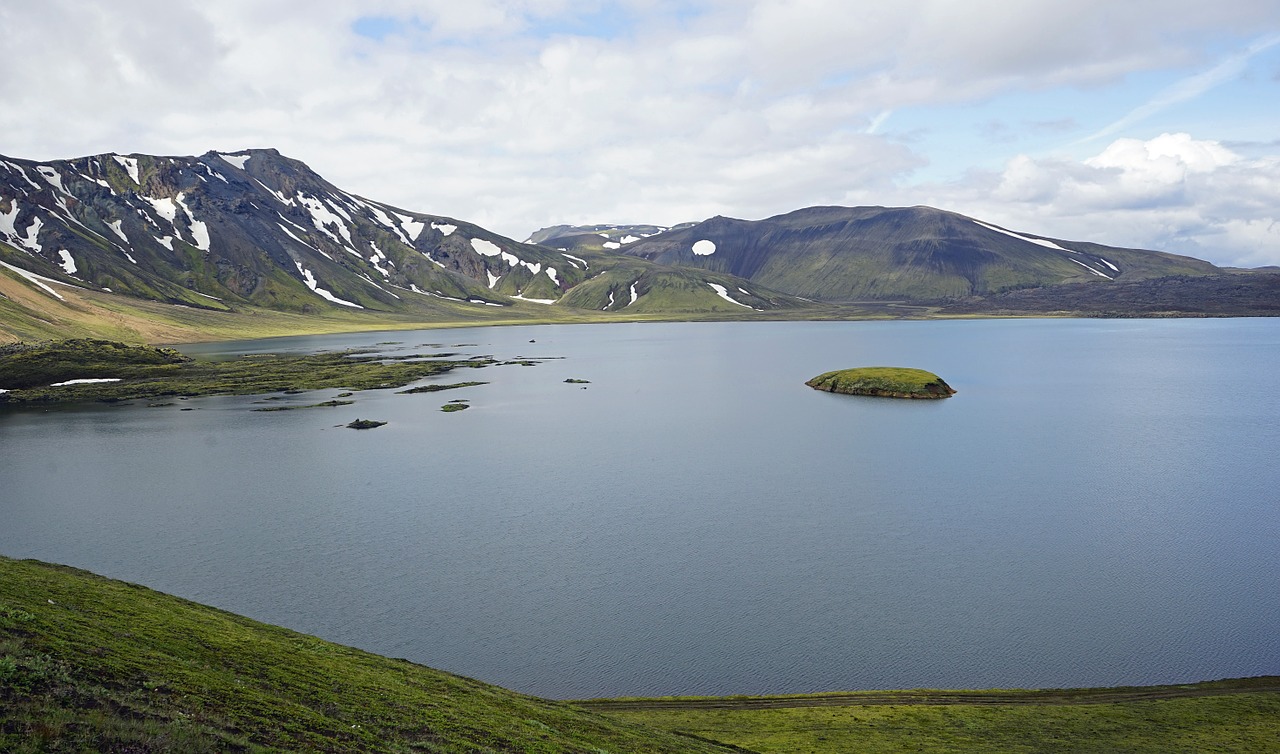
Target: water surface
1096,506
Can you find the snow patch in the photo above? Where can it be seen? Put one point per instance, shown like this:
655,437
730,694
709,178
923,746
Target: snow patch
236,161
723,293
304,243
630,239
117,227
52,177
493,279
199,230
572,258
704,248
68,262
310,280
547,301
130,165
634,295
1028,239
434,261
31,240
511,259
611,245
38,280
1112,266
164,207
86,381
551,273
1090,269
606,306
445,228
322,215
483,248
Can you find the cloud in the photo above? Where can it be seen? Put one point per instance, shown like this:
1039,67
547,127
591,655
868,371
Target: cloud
522,113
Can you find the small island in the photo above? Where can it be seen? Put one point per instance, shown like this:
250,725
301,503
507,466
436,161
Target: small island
887,382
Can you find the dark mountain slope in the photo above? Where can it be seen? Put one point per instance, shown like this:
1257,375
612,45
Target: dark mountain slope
885,253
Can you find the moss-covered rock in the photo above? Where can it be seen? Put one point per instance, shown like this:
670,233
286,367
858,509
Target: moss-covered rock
888,382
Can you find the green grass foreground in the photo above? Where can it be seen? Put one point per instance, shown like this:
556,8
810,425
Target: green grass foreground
28,371
88,664
1240,716
893,382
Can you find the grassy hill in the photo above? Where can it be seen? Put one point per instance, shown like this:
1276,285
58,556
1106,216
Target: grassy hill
91,664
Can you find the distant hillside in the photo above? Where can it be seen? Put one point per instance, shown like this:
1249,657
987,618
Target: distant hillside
254,228
887,253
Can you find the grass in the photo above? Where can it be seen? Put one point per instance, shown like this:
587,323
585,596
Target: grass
1228,716
92,664
896,382
28,371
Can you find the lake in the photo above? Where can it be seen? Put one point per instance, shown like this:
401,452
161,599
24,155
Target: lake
1096,506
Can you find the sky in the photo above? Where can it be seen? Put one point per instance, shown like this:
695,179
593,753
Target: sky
1136,123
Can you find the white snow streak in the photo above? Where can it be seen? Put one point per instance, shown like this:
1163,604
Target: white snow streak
310,280
52,177
1037,241
1112,266
321,215
724,294
166,242
606,306
31,241
572,258
86,381
118,228
411,226
634,295
547,301
199,230
493,279
68,262
551,273
38,280
130,165
1090,269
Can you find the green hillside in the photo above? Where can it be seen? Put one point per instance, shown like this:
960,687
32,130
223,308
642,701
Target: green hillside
88,664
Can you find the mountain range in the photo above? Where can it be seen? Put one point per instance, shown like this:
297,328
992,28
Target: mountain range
98,242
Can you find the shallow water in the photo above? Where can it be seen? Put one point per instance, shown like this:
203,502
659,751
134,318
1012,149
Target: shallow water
1096,506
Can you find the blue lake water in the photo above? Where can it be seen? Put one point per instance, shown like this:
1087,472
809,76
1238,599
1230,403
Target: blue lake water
1097,505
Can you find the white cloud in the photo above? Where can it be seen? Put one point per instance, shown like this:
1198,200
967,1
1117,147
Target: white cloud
510,114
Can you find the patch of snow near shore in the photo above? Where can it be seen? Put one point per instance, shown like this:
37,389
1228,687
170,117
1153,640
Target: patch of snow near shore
310,280
724,294
86,381
704,248
1037,241
68,262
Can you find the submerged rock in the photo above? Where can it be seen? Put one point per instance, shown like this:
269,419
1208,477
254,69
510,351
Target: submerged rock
887,382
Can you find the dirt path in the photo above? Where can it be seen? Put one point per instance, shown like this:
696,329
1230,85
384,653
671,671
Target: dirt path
1267,684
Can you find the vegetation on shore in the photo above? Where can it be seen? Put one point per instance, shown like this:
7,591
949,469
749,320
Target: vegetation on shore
30,373
1240,716
891,382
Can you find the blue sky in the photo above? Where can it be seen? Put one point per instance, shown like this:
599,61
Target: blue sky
1142,123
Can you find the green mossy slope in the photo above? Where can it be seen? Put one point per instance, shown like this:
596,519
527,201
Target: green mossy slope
93,664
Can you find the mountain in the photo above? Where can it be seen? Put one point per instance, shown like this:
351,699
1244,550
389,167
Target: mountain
896,253
254,228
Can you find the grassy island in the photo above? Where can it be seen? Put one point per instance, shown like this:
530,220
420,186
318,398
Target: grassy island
889,382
